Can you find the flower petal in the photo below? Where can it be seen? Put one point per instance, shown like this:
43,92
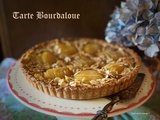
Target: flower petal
157,15
148,5
139,40
141,31
159,38
142,47
156,2
147,15
140,8
151,50
152,30
132,4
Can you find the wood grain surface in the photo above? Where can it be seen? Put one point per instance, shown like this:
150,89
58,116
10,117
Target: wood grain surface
18,35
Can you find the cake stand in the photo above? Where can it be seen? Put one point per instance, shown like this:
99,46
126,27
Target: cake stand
73,109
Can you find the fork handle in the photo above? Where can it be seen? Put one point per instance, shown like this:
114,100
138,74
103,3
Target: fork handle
102,114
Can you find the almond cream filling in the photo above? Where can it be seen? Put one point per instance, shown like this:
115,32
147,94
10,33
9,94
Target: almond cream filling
75,63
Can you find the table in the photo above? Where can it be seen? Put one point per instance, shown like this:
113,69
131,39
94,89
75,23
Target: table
11,109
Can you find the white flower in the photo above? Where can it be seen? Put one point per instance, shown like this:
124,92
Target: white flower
151,50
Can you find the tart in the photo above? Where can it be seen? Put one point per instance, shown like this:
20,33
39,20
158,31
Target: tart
79,68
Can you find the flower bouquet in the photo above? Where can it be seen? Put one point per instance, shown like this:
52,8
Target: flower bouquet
136,23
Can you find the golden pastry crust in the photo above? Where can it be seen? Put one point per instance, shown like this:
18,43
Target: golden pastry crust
80,68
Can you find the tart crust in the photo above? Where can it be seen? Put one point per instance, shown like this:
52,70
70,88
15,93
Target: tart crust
111,84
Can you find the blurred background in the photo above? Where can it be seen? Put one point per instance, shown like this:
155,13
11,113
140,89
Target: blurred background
19,35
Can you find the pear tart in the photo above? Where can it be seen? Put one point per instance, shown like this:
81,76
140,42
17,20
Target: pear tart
80,68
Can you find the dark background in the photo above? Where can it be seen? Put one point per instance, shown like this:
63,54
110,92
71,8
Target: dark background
19,35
